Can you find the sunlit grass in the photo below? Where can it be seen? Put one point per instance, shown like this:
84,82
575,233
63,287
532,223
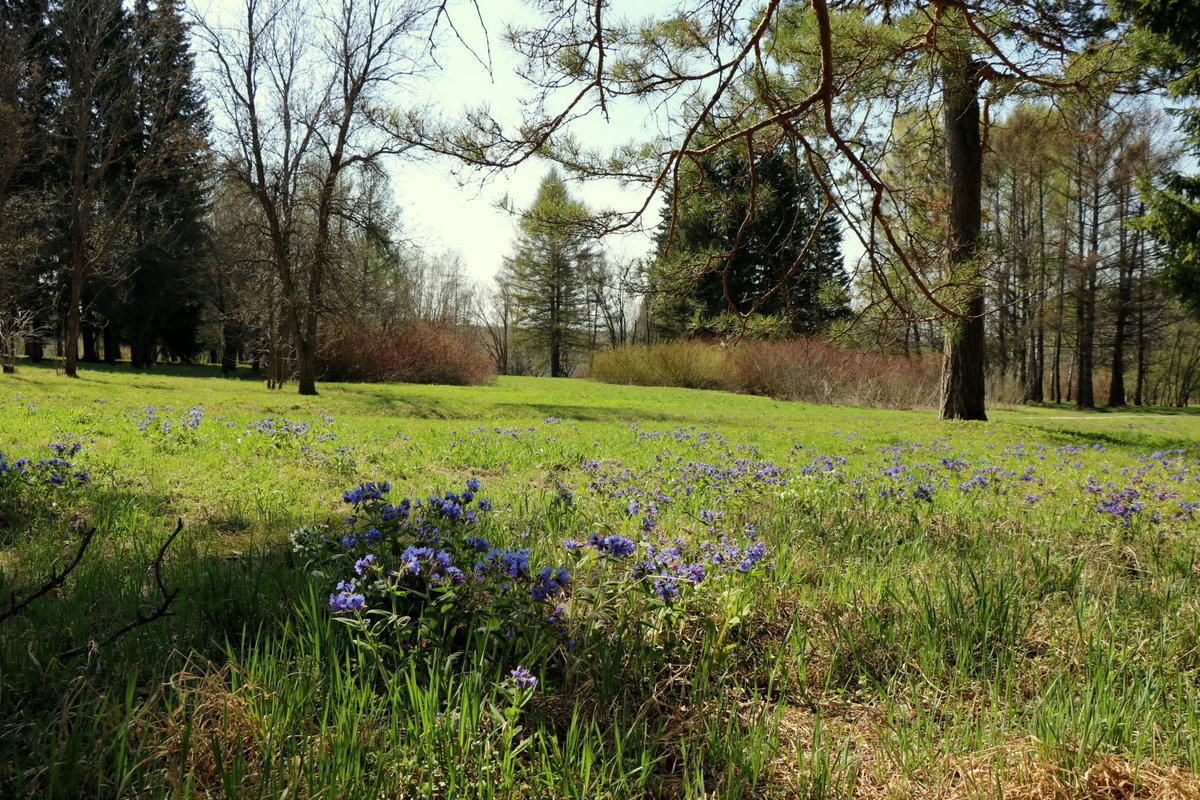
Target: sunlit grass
974,643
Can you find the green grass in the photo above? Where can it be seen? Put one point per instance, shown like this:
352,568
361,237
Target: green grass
975,645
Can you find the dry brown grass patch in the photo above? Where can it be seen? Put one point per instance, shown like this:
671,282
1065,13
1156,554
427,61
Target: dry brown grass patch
209,716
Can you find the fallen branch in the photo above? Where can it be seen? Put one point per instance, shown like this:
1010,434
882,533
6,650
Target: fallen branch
55,580
162,610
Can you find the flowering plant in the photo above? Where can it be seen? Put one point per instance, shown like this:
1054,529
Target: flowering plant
429,561
166,433
26,484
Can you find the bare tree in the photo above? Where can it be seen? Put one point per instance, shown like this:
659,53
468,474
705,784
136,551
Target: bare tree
298,86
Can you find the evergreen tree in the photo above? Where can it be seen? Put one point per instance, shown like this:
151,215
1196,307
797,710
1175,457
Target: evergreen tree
26,98
749,238
547,273
1174,218
163,300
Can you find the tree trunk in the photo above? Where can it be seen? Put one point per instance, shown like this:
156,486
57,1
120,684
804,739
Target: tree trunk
1085,310
306,356
112,345
34,346
74,300
964,354
88,332
229,350
1116,386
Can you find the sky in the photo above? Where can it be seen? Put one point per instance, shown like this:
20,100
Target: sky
446,209
460,213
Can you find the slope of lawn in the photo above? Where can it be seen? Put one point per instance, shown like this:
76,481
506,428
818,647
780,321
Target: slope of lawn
594,591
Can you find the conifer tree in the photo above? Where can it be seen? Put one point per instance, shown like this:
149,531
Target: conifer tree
750,235
1174,218
162,302
546,273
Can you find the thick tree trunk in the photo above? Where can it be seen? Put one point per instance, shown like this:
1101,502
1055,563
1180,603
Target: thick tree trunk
306,365
34,346
964,353
306,348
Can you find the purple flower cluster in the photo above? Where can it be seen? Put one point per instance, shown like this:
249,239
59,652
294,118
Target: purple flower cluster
549,582
53,471
347,598
367,492
523,678
180,432
613,545
417,549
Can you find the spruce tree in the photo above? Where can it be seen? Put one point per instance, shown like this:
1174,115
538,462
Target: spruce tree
747,236
163,300
1174,208
546,273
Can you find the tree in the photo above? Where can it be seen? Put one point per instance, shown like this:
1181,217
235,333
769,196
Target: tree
1173,217
547,272
99,134
159,295
24,150
817,77
297,87
752,234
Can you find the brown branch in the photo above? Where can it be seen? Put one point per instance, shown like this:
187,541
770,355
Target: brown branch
55,580
163,609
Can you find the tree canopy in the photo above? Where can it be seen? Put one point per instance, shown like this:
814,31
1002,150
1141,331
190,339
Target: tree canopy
748,234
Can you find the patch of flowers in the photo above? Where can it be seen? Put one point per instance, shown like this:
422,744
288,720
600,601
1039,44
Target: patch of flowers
310,439
429,561
28,485
165,429
1154,490
52,471
667,567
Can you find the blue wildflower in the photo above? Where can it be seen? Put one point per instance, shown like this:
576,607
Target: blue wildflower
346,598
523,678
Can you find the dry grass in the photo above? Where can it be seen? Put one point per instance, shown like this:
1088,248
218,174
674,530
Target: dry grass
1022,769
210,717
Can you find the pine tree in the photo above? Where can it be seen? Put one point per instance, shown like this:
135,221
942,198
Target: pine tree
546,273
162,302
748,237
1174,209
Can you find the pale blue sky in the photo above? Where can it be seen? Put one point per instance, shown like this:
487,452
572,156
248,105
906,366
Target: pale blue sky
443,213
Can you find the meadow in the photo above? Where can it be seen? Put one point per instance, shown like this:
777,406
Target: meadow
564,589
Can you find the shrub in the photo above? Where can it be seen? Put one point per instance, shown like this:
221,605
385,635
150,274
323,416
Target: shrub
816,371
809,369
416,352
687,364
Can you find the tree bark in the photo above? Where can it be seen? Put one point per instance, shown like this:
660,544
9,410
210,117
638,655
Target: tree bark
964,354
1116,386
